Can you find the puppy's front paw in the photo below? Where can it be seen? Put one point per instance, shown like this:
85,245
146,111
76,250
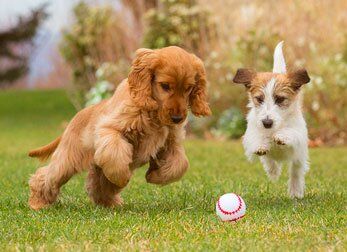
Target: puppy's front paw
118,175
261,151
114,160
116,171
153,176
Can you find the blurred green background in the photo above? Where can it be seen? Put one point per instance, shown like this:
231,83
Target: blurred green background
94,43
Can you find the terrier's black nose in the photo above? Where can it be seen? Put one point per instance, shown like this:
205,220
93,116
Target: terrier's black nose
176,118
267,122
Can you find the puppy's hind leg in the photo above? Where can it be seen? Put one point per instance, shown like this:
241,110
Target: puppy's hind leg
101,190
272,168
39,195
46,182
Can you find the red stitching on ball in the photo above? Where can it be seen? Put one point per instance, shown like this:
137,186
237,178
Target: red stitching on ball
236,219
233,212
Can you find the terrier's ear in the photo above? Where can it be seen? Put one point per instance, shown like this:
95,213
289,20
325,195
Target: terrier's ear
244,76
298,78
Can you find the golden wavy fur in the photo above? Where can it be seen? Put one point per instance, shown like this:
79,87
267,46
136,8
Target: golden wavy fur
142,122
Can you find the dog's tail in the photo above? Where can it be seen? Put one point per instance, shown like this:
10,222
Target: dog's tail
279,62
44,152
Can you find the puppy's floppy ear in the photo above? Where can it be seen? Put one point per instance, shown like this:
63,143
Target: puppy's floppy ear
141,76
298,78
244,76
198,97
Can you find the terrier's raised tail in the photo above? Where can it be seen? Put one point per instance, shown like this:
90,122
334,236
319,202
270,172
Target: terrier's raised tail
279,62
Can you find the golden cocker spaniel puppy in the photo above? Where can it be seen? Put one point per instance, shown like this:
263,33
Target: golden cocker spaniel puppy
142,122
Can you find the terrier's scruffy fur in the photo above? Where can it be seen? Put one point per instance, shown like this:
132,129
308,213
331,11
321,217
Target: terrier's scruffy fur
276,129
142,122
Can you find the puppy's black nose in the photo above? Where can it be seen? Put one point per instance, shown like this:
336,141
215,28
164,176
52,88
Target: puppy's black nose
176,118
267,122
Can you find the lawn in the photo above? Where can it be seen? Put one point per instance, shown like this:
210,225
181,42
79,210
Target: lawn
178,217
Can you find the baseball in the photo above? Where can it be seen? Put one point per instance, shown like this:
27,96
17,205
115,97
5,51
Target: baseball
230,207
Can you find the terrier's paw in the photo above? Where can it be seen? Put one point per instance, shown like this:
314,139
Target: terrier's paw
296,193
296,189
280,140
261,151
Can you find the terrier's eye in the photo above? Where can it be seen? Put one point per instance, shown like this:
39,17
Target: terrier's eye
165,86
259,99
279,99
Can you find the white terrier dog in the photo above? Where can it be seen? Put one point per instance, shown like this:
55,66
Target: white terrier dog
276,129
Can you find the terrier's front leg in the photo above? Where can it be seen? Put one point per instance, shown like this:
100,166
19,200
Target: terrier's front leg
289,137
297,139
255,144
113,154
296,183
272,168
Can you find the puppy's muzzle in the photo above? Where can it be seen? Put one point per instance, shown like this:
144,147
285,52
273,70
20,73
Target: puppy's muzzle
267,122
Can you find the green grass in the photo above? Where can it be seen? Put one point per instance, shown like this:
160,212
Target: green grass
180,216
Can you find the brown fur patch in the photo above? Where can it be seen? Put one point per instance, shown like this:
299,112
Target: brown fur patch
287,86
244,76
257,85
298,78
284,90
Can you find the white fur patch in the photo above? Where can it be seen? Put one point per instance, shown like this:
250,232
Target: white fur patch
279,62
269,89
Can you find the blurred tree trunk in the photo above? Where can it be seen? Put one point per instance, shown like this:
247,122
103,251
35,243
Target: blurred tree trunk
16,44
138,8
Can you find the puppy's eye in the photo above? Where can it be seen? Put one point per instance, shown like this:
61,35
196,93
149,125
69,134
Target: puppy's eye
165,86
259,99
279,99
